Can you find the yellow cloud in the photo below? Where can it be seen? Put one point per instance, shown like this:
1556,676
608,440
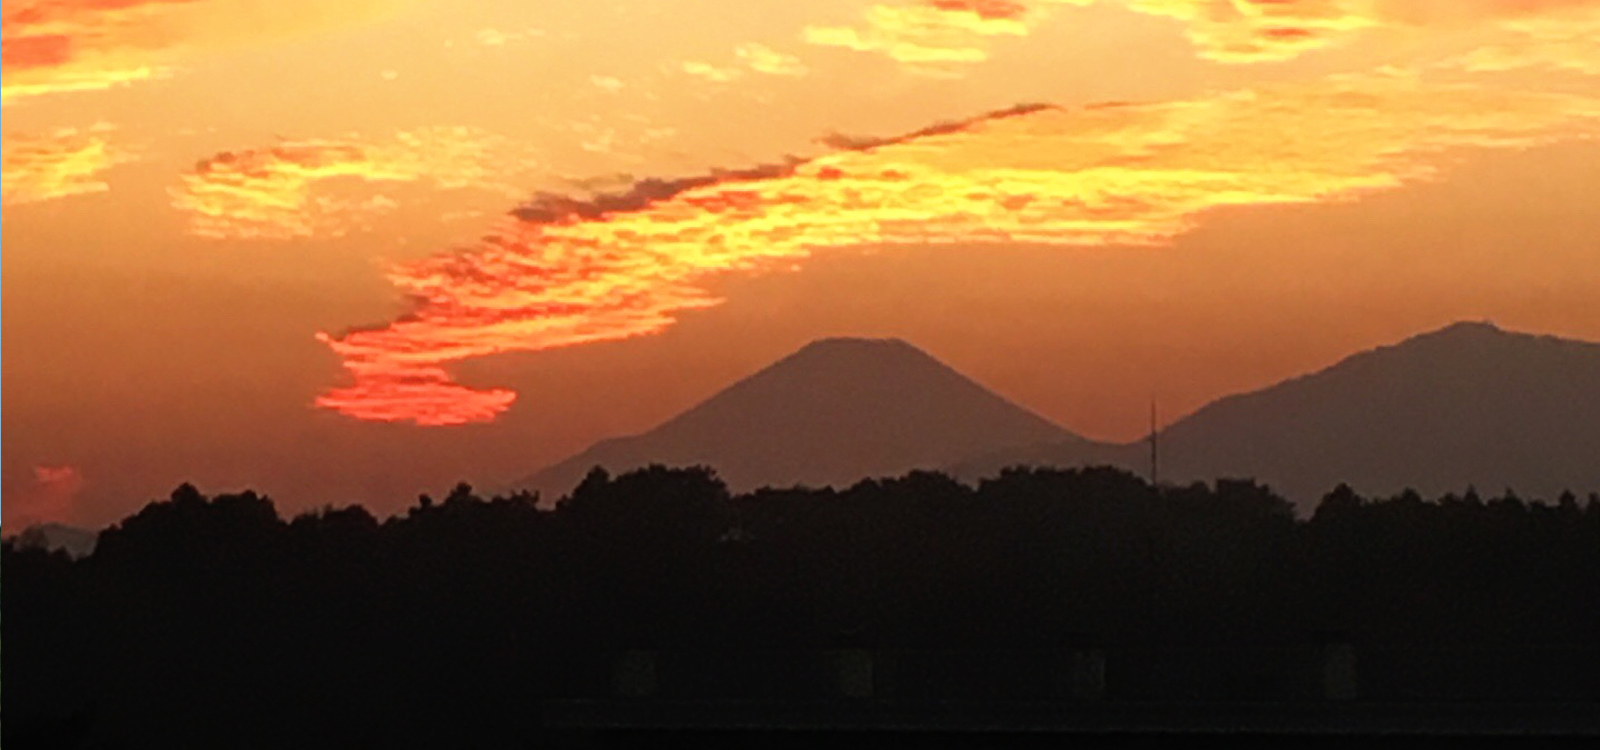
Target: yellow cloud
1562,41
57,164
928,35
1263,30
763,59
712,73
562,272
290,190
753,58
941,36
56,46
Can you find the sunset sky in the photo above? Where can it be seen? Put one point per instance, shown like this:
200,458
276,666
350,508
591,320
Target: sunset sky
352,251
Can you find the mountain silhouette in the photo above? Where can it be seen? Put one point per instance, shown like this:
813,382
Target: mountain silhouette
832,413
1466,405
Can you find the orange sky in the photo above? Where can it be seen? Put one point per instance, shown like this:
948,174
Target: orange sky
351,255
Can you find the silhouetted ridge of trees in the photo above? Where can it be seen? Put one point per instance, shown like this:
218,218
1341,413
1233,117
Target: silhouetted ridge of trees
203,620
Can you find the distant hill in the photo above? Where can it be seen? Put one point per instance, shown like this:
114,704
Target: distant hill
1469,404
832,413
52,536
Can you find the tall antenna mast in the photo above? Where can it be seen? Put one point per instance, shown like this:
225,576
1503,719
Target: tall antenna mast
1155,451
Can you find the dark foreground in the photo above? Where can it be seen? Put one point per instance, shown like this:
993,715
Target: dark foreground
911,608
735,719
768,725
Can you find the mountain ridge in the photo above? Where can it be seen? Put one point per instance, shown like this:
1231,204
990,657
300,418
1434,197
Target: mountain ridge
832,412
1466,404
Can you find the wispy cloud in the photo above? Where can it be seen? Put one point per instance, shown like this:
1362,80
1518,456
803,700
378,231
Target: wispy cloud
294,189
57,164
1567,40
491,37
1244,31
55,46
565,271
763,59
930,36
608,84
940,37
712,73
751,58
1262,30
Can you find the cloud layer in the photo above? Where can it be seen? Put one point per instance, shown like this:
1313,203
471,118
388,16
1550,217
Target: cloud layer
939,36
1246,31
569,271
323,188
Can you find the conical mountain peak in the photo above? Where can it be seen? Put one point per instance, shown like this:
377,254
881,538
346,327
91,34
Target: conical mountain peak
855,344
847,349
831,413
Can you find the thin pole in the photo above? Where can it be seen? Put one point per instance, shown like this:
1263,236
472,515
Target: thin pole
1155,451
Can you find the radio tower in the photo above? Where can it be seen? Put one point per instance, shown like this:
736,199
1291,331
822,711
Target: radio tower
1155,452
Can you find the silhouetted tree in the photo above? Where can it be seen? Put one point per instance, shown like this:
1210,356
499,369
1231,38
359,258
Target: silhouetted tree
1342,503
212,622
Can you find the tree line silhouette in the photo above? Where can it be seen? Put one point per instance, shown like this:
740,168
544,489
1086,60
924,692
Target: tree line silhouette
213,620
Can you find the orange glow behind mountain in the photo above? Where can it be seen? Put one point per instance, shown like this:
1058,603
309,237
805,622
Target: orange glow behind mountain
569,272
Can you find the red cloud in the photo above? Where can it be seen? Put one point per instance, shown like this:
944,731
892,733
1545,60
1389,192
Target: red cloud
988,9
52,46
563,272
27,52
51,497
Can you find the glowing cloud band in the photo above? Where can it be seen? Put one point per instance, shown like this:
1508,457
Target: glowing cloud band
57,164
565,271
288,190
